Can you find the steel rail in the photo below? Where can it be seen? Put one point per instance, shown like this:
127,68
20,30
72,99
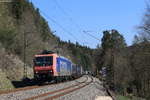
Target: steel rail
28,88
69,91
56,91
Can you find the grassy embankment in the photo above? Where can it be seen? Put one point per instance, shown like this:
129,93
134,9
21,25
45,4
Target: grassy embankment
119,97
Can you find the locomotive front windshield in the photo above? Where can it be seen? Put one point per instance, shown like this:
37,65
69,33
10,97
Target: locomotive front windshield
43,61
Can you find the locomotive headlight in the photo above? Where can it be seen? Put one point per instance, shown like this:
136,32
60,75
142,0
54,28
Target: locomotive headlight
50,71
36,72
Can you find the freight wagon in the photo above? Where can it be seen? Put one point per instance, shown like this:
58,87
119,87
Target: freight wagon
76,71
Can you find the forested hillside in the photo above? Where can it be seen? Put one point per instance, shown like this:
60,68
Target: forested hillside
24,33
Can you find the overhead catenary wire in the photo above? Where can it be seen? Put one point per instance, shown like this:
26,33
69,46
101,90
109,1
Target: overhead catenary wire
66,14
70,19
86,32
59,25
73,23
65,30
77,25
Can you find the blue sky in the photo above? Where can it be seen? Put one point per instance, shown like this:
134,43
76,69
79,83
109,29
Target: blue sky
93,16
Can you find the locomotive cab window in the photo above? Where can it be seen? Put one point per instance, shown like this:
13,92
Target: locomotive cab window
43,61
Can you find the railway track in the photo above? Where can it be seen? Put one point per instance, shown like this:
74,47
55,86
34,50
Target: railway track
64,91
18,90
70,90
29,88
33,92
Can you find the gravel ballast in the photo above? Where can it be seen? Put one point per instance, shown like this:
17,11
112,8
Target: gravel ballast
90,92
21,95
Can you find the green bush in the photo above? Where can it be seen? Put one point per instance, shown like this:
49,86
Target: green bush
19,7
7,38
44,30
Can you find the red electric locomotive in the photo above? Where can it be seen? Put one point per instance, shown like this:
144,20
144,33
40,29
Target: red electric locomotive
49,66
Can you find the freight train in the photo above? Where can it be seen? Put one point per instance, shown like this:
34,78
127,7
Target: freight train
50,66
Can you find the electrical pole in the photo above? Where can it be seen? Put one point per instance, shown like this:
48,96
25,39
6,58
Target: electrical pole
112,69
24,53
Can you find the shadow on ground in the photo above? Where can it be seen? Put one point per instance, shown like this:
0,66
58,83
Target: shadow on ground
30,82
24,83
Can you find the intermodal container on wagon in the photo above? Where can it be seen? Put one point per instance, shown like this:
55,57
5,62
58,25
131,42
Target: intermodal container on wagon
64,66
79,70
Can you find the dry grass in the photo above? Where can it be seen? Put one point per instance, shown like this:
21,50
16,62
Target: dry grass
4,82
103,98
